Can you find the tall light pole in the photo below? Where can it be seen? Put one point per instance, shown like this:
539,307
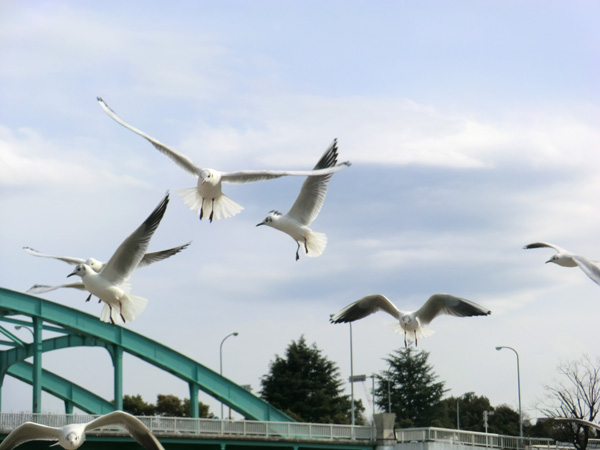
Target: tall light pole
518,387
351,374
235,333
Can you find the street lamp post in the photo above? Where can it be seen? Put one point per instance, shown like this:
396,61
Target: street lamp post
518,387
235,333
351,374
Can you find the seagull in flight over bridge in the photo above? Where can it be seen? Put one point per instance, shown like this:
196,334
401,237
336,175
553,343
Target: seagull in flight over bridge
95,265
306,208
71,436
207,197
110,284
412,322
567,259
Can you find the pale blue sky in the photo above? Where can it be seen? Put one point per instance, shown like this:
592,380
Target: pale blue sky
472,127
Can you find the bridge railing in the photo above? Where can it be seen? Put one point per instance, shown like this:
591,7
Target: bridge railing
188,427
472,438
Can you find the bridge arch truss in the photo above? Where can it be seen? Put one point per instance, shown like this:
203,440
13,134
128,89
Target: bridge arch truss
76,329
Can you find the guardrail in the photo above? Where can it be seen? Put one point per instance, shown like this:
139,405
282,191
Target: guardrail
185,427
472,438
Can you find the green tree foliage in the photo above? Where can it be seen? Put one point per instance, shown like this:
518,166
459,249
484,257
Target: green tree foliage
415,395
137,406
170,406
166,405
504,419
470,408
307,386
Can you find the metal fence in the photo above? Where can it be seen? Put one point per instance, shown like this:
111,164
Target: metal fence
187,427
471,438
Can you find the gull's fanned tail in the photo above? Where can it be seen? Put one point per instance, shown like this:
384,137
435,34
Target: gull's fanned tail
133,306
105,315
422,332
222,207
315,242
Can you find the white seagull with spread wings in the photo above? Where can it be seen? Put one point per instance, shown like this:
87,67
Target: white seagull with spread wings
411,321
71,436
567,259
110,284
207,198
306,208
95,265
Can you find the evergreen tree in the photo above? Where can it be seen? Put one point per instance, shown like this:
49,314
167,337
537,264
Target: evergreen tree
415,395
306,386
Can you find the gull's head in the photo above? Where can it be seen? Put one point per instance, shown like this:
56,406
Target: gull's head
71,441
272,217
80,269
94,264
209,176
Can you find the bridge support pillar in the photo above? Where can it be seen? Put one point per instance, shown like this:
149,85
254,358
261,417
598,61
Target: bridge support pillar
117,357
36,407
194,409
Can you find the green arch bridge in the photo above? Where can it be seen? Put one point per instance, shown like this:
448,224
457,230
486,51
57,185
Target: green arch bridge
73,328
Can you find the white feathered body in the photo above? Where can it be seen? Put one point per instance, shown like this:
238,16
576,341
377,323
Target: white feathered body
208,197
118,301
313,241
410,326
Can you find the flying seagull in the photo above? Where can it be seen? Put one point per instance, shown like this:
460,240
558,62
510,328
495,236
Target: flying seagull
582,422
306,208
71,436
207,197
567,259
411,321
95,265
110,284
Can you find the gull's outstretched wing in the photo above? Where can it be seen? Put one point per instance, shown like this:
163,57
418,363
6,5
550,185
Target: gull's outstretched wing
250,176
180,159
365,307
68,259
582,422
545,244
41,288
153,257
589,267
133,425
439,304
29,431
312,194
127,257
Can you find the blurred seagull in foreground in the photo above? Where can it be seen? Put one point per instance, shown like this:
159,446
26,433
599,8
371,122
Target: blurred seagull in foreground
71,436
582,422
207,197
110,284
306,208
95,265
567,259
411,321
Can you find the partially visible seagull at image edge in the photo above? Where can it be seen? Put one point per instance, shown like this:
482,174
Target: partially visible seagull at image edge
95,265
110,284
207,197
306,208
71,436
412,322
582,422
567,259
